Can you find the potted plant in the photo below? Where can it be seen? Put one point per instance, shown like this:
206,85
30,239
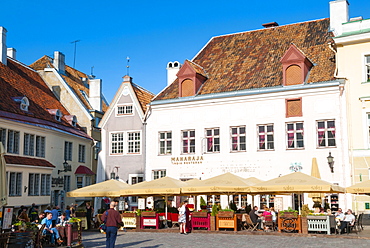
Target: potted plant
128,214
203,204
289,213
226,213
200,213
148,213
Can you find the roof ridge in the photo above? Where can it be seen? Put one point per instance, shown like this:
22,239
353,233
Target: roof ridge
20,63
201,67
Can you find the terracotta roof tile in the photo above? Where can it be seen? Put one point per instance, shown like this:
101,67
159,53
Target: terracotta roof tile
10,159
73,78
144,96
252,59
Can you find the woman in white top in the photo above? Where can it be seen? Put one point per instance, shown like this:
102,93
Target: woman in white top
182,218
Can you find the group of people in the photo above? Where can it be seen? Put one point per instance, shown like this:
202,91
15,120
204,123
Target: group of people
345,220
258,217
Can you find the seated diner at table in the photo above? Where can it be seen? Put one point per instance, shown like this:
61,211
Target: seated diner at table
50,229
348,220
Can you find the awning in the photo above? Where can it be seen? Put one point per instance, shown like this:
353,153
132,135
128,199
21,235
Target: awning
84,170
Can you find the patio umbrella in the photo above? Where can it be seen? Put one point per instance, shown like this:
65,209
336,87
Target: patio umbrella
296,182
110,188
359,188
3,195
223,184
315,172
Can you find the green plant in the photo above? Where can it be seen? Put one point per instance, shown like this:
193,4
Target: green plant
227,210
138,212
290,211
202,202
74,219
214,210
305,210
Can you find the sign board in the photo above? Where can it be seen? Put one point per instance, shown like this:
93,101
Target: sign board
141,203
278,204
121,205
150,202
226,223
367,205
7,217
150,222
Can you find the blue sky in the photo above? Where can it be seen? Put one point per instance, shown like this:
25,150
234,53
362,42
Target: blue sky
151,33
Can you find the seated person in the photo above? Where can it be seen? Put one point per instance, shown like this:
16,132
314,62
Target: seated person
50,229
348,220
62,220
23,217
255,217
339,215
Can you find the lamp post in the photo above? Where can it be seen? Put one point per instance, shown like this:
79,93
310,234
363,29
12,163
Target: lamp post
66,166
331,162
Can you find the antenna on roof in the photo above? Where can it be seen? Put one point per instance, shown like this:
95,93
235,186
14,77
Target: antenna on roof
128,65
92,70
74,58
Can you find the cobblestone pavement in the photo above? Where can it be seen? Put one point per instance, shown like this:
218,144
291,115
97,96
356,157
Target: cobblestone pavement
197,240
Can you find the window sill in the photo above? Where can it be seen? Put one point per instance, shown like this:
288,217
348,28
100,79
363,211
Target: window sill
238,151
267,150
325,147
295,148
365,82
164,155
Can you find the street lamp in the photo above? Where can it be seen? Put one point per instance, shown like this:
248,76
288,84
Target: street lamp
66,166
331,162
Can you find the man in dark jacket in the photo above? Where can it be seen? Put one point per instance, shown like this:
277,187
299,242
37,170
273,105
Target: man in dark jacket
255,216
112,220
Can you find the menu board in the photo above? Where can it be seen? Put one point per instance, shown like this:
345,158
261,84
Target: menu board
7,217
278,204
141,203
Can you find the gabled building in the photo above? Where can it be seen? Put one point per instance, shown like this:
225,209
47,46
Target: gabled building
44,142
352,44
259,103
123,135
81,94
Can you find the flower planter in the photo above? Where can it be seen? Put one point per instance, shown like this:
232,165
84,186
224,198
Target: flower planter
128,215
304,225
200,214
148,214
226,214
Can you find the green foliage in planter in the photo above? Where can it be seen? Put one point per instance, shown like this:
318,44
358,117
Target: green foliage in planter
232,206
202,202
138,212
73,220
214,210
305,210
289,210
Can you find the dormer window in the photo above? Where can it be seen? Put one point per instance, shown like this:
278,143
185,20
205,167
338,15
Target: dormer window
58,115
25,104
295,66
191,77
72,119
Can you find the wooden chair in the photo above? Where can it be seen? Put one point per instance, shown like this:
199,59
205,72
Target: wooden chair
39,236
359,222
268,222
4,240
250,225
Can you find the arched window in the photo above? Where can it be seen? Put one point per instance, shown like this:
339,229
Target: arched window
25,103
187,87
293,75
58,115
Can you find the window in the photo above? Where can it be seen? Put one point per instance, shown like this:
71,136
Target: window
15,184
33,184
81,153
117,143
134,142
68,151
326,133
266,137
25,104
45,184
158,174
293,107
97,149
165,143
367,65
58,115
29,144
13,141
238,139
67,184
295,135
3,136
40,146
125,110
188,141
213,140
79,181
136,179
293,75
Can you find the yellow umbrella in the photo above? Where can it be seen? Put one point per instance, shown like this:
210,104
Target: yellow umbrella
359,188
253,180
315,172
161,186
110,188
225,183
3,195
296,182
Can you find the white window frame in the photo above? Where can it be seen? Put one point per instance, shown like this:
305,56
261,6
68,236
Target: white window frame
136,176
134,145
13,141
156,174
67,183
68,150
40,146
116,144
239,135
3,135
269,145
29,144
15,184
327,130
86,180
212,139
295,133
189,139
81,153
45,184
33,184
367,67
165,143
125,110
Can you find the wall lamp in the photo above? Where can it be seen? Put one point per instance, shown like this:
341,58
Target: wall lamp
331,162
66,166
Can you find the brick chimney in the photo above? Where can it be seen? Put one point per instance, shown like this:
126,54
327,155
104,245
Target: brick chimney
3,45
338,15
11,52
95,93
59,62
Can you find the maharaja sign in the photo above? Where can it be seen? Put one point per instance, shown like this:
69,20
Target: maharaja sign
187,160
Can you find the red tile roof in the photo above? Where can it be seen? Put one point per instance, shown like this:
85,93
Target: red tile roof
10,159
143,96
18,80
84,170
73,78
251,59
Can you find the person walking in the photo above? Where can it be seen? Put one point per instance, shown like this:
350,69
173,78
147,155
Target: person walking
112,220
182,218
55,216
89,212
